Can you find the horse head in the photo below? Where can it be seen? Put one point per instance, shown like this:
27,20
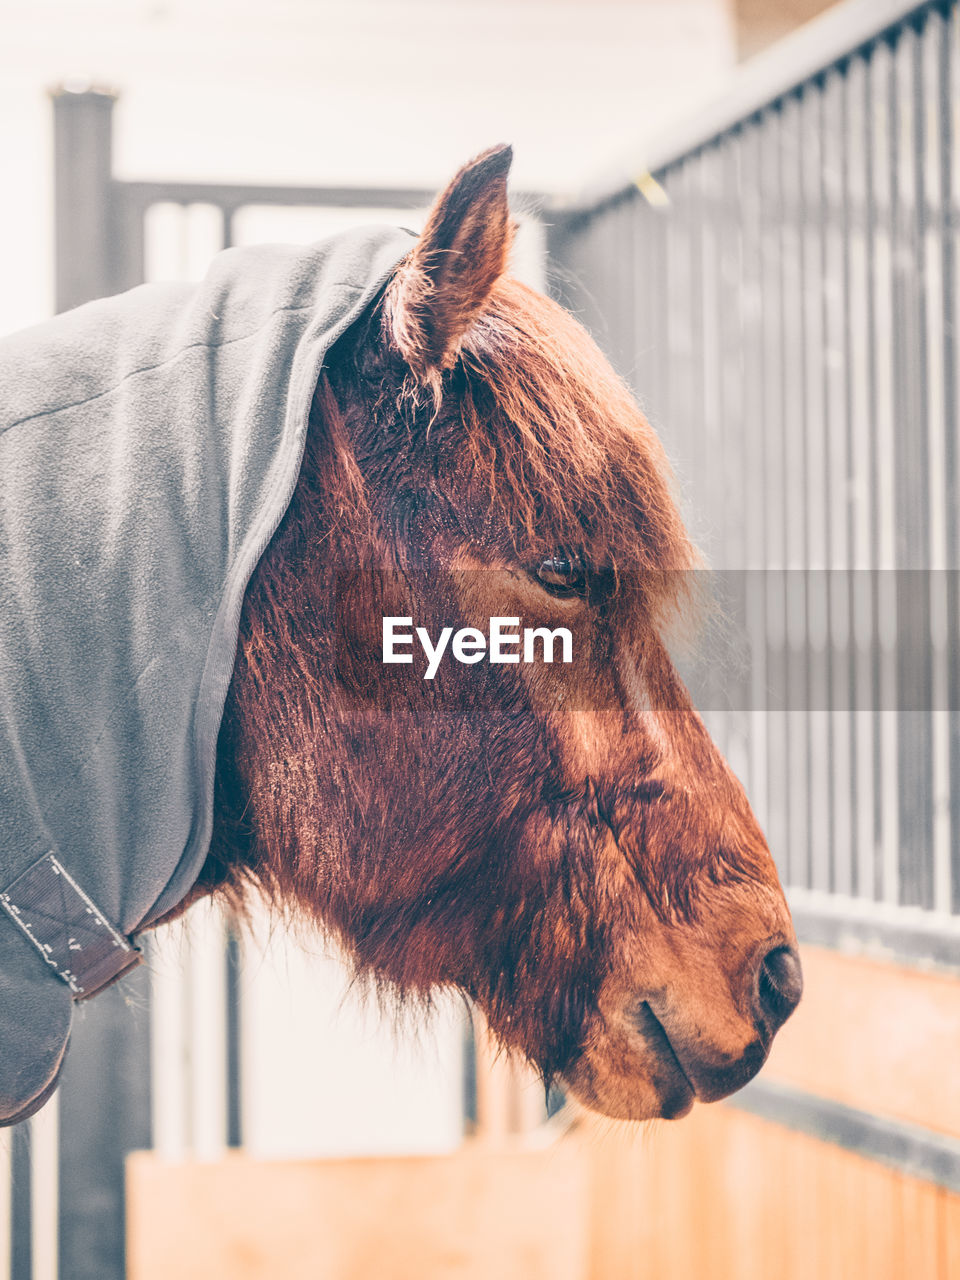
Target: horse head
562,842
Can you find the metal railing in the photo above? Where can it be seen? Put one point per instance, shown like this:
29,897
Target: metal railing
101,220
779,286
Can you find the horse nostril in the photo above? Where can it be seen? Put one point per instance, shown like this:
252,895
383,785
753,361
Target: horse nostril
779,986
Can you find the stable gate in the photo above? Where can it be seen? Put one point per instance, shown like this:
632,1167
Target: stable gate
779,284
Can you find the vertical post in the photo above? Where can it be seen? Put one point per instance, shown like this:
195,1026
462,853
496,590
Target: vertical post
85,244
6,1206
470,1115
950,197
234,1064
105,1094
21,1259
104,1114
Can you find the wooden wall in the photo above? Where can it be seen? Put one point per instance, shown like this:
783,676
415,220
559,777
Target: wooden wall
475,1215
725,1196
875,1035
760,23
720,1195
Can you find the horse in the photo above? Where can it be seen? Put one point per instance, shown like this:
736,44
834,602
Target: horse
568,849
217,506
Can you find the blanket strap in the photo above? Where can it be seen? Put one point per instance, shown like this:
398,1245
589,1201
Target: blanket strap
68,928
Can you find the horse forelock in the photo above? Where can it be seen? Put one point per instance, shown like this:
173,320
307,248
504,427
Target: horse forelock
553,443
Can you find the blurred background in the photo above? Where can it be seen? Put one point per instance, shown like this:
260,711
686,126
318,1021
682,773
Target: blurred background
754,209
368,93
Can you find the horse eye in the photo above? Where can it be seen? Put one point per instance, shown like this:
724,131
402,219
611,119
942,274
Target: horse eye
561,573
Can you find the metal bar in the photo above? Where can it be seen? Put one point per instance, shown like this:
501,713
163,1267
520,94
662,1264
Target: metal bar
860,382
838,406
793,487
83,149
909,934
910,1149
652,308
882,117
127,256
601,259
730,330
774,358
732,441
234,1042
911,473
708,422
870,817
714,207
6,1206
811,537
561,248
929,70
754,462
807,53
707,406
104,1114
694,425
234,196
470,1108
21,1215
579,281
949,60
642,302
646,303
623,266
678,333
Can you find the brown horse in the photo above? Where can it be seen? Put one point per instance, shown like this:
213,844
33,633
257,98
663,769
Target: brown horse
564,845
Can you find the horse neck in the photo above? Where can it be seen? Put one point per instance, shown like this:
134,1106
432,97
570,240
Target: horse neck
282,679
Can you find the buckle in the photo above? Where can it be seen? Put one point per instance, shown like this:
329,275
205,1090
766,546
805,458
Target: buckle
68,929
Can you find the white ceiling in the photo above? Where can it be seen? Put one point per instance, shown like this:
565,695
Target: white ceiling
342,91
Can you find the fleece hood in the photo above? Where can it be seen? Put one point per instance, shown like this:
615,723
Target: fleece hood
149,447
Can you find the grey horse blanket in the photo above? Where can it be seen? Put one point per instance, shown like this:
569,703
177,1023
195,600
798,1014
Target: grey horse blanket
149,446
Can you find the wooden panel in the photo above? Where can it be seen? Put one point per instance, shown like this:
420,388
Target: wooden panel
951,1238
720,1195
469,1216
6,1201
723,1195
760,23
876,1036
917,1232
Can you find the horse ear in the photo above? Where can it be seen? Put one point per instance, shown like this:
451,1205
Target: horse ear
441,287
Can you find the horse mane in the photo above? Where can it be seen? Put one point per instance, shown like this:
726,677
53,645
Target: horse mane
562,445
